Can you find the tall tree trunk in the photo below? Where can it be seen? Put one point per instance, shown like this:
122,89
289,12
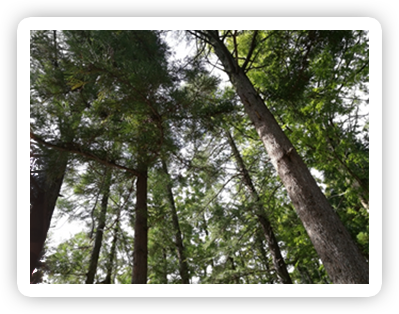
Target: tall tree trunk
278,259
183,267
45,194
140,253
111,256
341,257
45,190
105,188
259,237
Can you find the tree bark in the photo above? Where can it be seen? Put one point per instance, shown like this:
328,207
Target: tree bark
278,260
341,257
106,185
111,257
43,197
183,267
140,253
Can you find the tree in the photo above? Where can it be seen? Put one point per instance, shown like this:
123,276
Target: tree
315,83
278,259
129,73
340,255
105,190
178,237
47,167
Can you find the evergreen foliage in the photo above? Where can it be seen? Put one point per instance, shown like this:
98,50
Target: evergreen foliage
110,109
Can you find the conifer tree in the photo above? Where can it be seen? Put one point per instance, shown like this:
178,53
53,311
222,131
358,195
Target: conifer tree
340,255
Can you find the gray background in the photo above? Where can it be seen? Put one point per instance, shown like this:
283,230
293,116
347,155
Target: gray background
15,12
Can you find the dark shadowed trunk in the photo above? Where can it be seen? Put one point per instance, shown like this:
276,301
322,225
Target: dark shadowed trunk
341,257
272,243
140,252
105,188
183,267
44,193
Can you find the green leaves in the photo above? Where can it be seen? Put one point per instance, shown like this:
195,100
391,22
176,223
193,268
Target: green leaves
70,260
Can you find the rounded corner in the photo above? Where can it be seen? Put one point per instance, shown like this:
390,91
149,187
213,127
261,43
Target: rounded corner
22,25
375,23
22,290
376,290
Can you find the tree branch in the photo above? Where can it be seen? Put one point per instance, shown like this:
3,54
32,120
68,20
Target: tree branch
77,149
250,52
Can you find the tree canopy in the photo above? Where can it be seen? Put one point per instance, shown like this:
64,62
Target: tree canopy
175,178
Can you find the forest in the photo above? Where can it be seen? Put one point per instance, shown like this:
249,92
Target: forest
178,176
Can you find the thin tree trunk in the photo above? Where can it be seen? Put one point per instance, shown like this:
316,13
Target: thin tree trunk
140,253
183,267
111,256
205,228
44,194
341,257
100,227
259,244
272,243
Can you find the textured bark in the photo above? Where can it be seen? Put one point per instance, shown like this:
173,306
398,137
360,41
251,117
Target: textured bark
278,260
341,257
183,267
45,190
100,228
140,253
